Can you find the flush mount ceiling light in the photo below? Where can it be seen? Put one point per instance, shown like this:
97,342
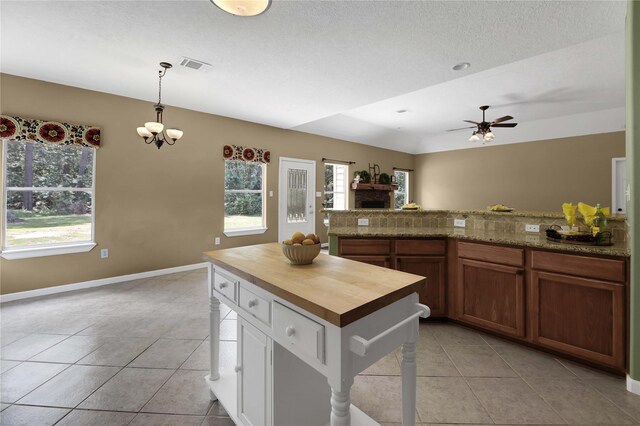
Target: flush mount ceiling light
153,131
243,7
461,66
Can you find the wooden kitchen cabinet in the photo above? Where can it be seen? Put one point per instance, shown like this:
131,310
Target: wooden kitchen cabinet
424,257
579,315
492,296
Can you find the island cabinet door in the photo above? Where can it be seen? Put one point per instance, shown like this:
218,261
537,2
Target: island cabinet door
492,296
579,316
254,375
433,268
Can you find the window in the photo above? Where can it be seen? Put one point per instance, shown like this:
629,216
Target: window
244,201
402,193
335,186
49,196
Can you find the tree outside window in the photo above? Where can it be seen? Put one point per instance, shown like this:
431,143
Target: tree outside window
48,193
401,195
335,186
243,195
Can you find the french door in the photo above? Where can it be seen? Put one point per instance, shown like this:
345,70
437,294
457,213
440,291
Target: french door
296,197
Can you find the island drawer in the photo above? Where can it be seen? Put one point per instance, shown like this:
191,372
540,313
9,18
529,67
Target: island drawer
298,333
364,246
226,284
582,266
422,247
490,253
257,306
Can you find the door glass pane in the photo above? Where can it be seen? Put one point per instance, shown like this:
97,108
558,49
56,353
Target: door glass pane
296,195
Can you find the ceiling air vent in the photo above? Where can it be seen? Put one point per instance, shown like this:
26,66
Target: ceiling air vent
193,64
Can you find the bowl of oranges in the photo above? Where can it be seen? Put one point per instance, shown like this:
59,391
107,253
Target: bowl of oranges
301,249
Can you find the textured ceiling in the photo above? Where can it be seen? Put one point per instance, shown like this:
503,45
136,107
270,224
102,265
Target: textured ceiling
341,68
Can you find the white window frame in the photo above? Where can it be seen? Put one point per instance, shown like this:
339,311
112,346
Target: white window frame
238,232
345,186
406,192
40,250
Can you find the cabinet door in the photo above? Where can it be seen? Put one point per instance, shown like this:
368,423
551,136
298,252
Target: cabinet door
254,375
384,261
579,316
431,267
491,296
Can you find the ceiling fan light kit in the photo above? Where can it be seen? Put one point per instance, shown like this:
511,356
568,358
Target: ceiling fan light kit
243,7
153,131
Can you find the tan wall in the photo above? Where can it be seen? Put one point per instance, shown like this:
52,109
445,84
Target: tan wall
160,208
529,176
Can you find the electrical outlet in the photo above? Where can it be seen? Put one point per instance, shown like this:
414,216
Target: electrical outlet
363,222
532,228
104,253
270,193
216,241
318,194
459,223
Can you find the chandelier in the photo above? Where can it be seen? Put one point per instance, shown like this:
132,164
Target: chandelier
153,131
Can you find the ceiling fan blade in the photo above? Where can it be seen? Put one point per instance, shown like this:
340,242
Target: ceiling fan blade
501,119
462,128
505,125
469,121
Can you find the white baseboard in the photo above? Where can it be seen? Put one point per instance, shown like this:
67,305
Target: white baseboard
633,386
97,283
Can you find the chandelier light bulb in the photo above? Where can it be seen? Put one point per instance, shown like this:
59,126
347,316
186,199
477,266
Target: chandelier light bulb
143,132
154,127
174,134
489,136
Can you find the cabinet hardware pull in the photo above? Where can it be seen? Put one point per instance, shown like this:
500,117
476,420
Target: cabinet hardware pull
290,331
223,285
237,368
253,303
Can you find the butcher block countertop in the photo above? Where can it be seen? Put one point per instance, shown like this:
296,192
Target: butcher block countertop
337,290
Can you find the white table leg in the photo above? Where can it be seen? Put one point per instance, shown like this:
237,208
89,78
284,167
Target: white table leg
214,341
409,378
340,407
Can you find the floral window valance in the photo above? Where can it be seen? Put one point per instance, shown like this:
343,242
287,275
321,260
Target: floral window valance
18,128
245,153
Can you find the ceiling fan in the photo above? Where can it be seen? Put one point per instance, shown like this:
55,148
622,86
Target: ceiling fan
484,128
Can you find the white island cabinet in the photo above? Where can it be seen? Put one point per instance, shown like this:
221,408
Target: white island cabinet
305,332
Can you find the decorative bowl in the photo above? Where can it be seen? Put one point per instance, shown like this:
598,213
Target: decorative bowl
301,255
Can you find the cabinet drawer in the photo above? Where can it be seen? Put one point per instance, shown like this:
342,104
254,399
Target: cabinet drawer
489,253
301,334
423,247
226,285
365,246
582,266
255,305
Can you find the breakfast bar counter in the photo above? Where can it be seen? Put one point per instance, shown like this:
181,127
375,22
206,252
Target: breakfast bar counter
305,331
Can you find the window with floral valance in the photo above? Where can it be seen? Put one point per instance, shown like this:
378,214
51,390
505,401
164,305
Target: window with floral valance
245,153
49,170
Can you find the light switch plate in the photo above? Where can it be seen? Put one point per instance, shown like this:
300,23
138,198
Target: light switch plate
459,223
532,228
363,222
318,194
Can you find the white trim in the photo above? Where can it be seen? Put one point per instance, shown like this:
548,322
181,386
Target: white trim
27,253
97,283
244,231
615,164
633,386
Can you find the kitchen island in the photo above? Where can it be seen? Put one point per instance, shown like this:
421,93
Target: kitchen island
304,332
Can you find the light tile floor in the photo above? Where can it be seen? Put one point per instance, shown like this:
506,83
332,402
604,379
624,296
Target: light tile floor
136,353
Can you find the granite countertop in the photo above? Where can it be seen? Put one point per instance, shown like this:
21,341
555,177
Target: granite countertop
528,240
515,213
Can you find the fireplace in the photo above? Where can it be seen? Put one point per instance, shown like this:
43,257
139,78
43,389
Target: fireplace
373,199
